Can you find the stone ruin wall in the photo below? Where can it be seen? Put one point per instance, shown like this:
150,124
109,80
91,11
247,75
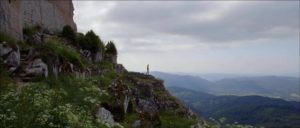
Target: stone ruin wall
50,14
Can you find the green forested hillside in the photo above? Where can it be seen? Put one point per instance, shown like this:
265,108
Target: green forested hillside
269,86
253,110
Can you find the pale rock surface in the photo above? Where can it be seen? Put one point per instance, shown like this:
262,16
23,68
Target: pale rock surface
106,117
4,49
137,124
98,57
9,56
50,14
125,103
37,67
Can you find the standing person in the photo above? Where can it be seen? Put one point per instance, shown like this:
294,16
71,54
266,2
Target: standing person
147,69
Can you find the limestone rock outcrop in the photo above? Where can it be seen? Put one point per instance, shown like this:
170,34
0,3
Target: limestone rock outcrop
50,14
149,97
106,117
9,55
98,57
37,68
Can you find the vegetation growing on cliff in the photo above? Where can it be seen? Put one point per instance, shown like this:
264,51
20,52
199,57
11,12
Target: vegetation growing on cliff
70,99
92,42
110,48
69,33
7,38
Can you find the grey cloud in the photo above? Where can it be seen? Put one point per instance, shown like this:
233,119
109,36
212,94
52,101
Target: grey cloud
246,21
198,35
190,23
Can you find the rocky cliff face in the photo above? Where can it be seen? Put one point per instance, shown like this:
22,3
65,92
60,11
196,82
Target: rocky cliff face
50,14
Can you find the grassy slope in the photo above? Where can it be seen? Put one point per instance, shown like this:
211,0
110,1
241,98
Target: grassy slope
65,101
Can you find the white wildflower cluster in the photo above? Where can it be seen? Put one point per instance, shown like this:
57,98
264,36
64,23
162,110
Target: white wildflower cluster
66,116
91,100
43,99
42,105
7,117
104,92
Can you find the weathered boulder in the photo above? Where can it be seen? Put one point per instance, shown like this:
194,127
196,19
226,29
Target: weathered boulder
4,49
37,68
106,117
9,56
137,124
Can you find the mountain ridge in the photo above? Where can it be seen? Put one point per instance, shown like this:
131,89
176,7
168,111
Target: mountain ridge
272,86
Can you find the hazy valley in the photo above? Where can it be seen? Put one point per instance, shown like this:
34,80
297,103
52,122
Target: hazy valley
226,102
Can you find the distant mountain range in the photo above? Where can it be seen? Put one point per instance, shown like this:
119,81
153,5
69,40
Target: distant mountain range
287,88
253,110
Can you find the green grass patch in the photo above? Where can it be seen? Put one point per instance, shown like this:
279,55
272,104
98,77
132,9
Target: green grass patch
107,69
6,82
30,31
7,38
54,48
69,33
173,121
130,118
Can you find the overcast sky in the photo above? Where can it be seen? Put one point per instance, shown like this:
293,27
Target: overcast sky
257,38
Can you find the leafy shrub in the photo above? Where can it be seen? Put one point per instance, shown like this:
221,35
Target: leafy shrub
91,42
7,38
110,48
107,69
30,31
80,39
69,33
